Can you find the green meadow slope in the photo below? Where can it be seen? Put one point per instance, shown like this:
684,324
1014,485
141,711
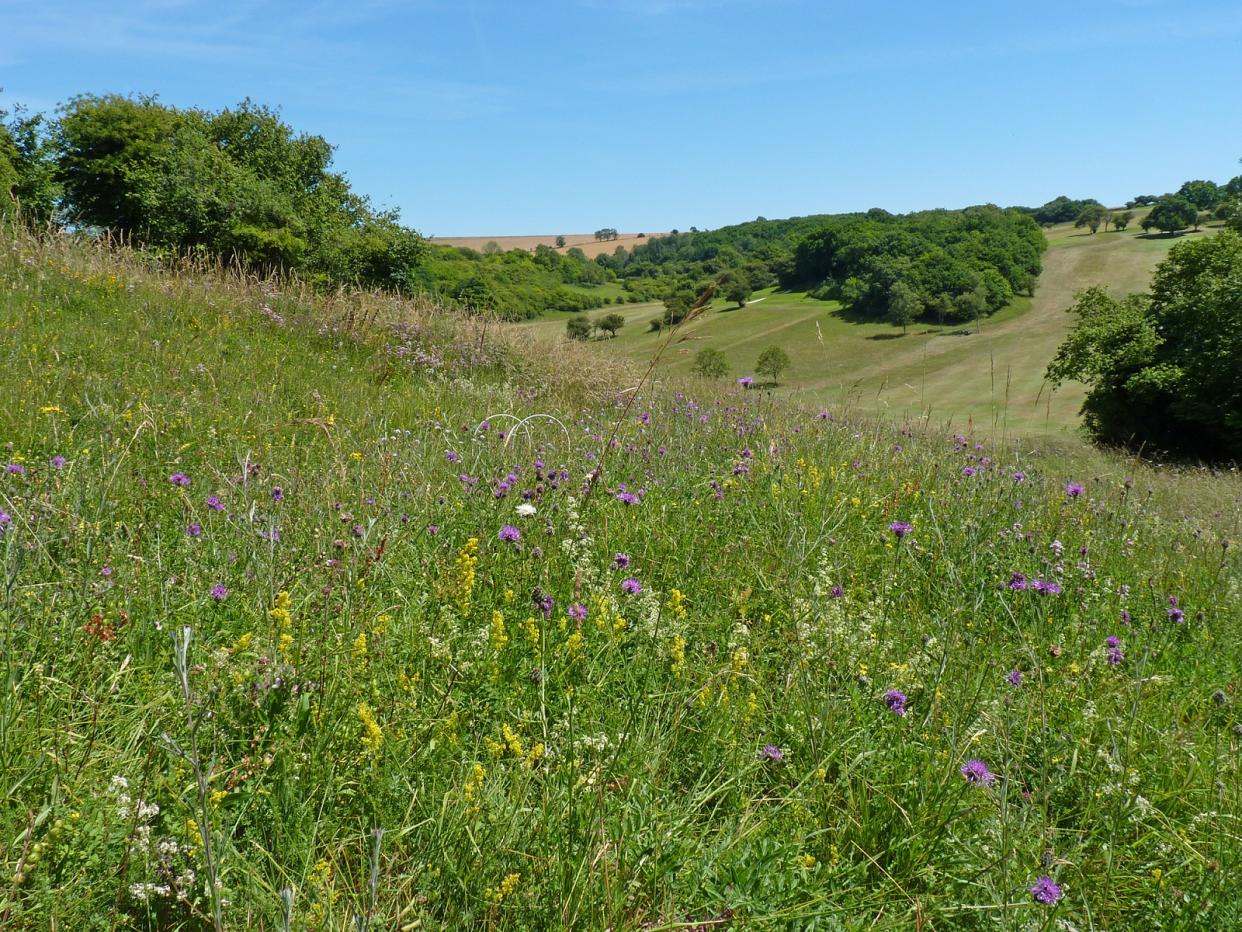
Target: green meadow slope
348,613
994,378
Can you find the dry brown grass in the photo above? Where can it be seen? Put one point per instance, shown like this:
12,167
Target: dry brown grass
584,241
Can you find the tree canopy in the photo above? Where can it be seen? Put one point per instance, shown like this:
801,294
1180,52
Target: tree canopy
1162,368
1172,213
772,362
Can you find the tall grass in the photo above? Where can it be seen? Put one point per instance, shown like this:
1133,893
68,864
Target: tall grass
681,712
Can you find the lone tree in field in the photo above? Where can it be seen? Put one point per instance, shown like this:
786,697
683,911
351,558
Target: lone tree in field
739,291
1122,220
710,363
972,305
560,242
904,306
579,328
610,323
1091,217
772,362
1173,213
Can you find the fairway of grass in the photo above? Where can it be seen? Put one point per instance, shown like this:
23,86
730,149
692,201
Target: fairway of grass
993,378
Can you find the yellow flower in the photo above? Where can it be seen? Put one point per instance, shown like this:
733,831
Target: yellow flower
678,653
512,741
495,895
466,564
677,605
500,634
474,783
372,735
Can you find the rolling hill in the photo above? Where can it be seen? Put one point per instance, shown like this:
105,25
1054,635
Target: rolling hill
992,378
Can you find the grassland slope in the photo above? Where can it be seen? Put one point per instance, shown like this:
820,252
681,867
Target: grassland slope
993,378
346,612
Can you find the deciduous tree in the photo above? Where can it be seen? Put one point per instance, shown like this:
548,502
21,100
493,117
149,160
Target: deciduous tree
772,362
710,363
579,327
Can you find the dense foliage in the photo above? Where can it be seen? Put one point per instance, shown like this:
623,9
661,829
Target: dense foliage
517,283
26,171
953,265
291,600
1060,209
241,184
1163,368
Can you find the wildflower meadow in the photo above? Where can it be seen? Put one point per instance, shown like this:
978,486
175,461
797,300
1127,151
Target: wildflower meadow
344,613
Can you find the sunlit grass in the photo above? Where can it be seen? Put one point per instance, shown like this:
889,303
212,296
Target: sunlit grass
620,716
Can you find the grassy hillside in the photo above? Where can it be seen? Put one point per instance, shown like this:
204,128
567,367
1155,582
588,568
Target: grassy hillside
271,615
993,379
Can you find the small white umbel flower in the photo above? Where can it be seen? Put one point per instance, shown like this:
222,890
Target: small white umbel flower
526,509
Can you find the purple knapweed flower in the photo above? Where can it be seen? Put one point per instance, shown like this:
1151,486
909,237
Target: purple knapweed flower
1176,614
219,592
15,469
837,592
180,479
57,462
433,529
969,471
1019,476
278,493
627,498
451,456
1046,891
5,521
578,611
1046,587
770,752
194,529
621,560
105,572
745,381
1017,581
900,529
510,533
631,585
1014,677
1073,489
896,700
214,503
976,771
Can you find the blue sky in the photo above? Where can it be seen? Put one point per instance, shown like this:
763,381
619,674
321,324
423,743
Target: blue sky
490,118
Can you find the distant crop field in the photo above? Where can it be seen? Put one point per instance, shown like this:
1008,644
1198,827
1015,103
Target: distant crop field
584,241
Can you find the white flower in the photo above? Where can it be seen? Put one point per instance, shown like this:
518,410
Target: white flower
526,509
